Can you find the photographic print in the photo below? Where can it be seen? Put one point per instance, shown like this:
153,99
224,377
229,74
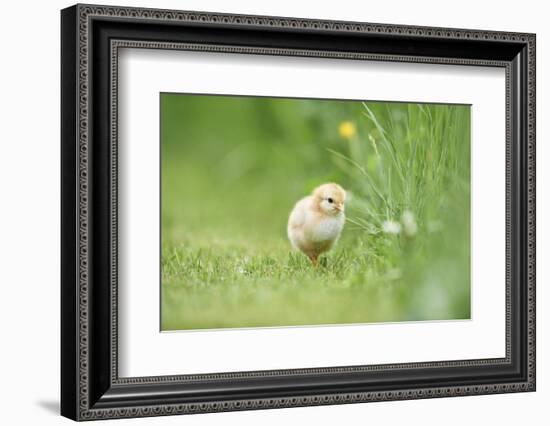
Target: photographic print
294,212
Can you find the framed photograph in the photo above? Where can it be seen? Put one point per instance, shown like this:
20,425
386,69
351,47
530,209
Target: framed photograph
263,212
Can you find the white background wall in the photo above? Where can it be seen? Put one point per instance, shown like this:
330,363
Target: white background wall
29,211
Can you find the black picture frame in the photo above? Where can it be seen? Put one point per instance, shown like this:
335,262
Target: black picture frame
90,38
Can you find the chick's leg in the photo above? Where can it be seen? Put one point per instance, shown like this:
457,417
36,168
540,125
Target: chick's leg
313,259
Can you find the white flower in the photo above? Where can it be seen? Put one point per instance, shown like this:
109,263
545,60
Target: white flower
394,274
409,223
391,227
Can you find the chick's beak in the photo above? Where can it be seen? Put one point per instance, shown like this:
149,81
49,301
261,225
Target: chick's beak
339,207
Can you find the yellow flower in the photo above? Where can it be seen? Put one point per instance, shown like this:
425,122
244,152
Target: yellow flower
347,129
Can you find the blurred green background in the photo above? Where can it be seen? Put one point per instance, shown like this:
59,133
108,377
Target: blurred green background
232,169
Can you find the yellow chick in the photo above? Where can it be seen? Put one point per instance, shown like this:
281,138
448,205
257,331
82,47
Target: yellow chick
316,222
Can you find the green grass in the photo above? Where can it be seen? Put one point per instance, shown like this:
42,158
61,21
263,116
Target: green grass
233,167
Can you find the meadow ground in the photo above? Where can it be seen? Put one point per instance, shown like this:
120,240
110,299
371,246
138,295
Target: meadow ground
232,169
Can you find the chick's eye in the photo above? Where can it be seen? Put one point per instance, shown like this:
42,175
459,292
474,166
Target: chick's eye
330,200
